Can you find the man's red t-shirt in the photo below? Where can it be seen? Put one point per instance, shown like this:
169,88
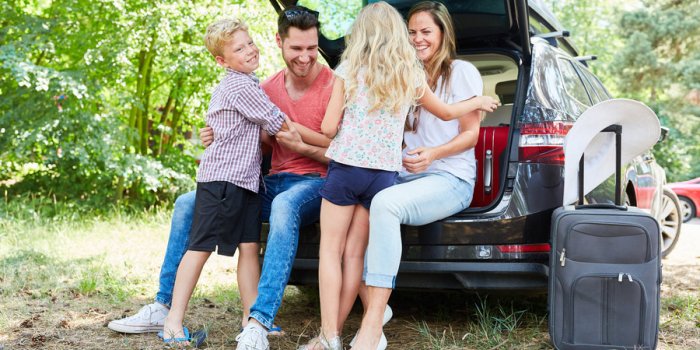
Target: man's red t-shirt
308,111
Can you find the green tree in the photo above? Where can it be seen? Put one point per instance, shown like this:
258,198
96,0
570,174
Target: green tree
100,97
648,51
660,65
593,28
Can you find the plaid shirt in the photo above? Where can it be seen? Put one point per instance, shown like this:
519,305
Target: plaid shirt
237,110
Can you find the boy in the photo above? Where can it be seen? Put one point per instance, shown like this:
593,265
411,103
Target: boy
227,207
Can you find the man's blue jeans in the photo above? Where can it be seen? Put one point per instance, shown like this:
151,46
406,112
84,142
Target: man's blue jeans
289,202
178,242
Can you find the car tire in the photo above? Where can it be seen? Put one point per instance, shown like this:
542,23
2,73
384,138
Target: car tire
670,220
687,208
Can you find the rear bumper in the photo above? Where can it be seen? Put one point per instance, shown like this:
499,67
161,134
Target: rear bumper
470,276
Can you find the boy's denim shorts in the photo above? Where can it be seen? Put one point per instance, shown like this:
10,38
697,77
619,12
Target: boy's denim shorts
350,185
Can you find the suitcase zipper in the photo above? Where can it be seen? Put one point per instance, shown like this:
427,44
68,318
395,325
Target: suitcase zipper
562,258
642,307
620,278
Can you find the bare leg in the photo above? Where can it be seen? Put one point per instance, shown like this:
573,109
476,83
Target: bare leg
248,276
353,262
335,222
371,327
185,281
362,292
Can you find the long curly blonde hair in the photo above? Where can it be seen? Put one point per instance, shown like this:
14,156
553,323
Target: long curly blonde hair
379,43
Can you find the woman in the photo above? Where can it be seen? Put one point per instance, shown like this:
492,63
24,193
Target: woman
438,158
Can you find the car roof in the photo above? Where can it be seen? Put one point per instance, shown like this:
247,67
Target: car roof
478,24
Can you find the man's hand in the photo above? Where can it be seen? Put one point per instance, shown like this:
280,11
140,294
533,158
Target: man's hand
206,135
290,138
286,124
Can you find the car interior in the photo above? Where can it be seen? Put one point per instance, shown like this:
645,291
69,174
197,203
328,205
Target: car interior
499,74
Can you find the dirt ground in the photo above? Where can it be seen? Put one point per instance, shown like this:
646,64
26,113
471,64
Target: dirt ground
421,320
681,269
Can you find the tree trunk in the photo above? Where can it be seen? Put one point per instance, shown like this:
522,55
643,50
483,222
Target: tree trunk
145,94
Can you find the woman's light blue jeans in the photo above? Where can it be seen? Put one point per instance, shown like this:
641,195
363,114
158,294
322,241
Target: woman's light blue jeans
416,199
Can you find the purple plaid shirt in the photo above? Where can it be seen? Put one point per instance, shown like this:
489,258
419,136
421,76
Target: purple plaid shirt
238,109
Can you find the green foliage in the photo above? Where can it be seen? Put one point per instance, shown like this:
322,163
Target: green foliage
336,16
592,24
101,97
648,51
659,64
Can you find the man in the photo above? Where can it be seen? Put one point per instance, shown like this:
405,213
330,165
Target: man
291,198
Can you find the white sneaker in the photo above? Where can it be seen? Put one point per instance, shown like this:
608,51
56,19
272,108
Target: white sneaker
382,342
150,318
388,314
253,337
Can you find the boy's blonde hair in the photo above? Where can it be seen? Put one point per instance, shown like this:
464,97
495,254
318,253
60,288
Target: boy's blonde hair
221,32
379,42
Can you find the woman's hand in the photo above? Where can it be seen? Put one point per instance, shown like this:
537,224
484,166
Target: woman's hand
206,135
419,159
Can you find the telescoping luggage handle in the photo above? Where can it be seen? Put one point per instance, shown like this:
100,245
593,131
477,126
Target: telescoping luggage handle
617,129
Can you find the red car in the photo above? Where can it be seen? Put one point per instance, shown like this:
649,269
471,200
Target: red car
689,195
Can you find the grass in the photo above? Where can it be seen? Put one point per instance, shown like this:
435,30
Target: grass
64,277
489,322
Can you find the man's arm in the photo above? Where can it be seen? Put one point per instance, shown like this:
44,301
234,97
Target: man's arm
291,139
206,135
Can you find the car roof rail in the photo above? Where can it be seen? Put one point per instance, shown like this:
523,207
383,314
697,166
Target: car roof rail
586,58
553,36
557,34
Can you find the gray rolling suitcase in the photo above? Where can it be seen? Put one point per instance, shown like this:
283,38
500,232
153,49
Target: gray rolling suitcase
605,274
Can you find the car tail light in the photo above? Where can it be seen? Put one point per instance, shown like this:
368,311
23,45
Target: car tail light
543,142
524,248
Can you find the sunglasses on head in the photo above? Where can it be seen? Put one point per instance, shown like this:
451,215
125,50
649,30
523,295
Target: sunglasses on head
291,14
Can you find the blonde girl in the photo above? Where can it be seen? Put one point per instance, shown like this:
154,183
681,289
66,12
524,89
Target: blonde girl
378,80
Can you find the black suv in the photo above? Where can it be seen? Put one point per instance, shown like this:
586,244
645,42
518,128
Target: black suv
502,241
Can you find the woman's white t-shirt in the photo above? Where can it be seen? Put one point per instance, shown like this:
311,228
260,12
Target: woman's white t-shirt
465,83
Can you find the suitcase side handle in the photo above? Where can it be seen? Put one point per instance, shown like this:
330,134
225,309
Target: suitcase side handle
617,129
601,206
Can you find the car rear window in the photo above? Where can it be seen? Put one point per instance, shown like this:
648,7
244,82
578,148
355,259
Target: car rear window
572,82
336,17
472,19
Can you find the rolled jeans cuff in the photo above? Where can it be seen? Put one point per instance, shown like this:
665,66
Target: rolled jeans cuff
382,281
268,323
163,301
